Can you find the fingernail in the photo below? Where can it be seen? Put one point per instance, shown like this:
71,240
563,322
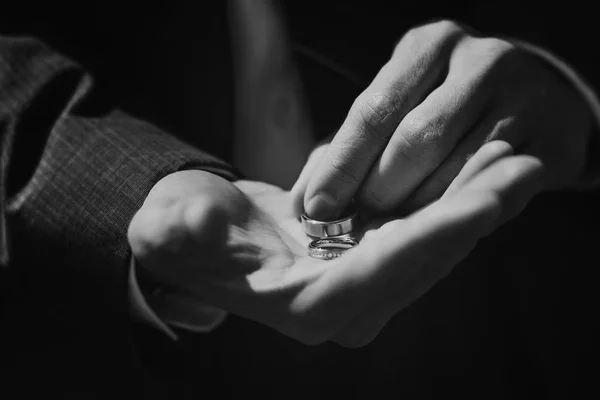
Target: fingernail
322,207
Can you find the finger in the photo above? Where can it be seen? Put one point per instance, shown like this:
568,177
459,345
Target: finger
503,134
430,132
503,126
415,268
514,180
368,325
407,267
416,67
422,141
388,260
485,156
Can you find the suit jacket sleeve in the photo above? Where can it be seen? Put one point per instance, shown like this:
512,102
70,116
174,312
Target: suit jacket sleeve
70,178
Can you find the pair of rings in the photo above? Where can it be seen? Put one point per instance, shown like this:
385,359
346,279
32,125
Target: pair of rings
330,238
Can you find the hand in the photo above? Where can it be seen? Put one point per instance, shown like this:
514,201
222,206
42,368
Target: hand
442,95
240,247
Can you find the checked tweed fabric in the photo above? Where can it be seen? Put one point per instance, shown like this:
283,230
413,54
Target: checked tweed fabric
71,179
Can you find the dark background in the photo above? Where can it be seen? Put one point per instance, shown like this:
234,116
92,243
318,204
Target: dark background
515,320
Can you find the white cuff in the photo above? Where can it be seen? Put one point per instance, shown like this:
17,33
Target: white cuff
182,311
574,78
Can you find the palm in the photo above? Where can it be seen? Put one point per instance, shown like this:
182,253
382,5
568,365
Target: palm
260,264
269,276
277,210
275,203
283,263
241,248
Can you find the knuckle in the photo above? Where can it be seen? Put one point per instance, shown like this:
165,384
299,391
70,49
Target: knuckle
436,32
418,140
343,169
418,132
151,234
442,31
413,34
486,57
413,126
376,112
438,28
492,49
142,238
497,45
446,27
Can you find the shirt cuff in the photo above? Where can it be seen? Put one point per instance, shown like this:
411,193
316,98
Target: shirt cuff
591,177
162,308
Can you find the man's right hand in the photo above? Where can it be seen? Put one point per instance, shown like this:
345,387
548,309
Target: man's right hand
240,246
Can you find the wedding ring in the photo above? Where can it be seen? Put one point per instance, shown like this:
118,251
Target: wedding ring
330,248
321,229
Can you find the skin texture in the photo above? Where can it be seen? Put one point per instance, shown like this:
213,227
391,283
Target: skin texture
240,247
442,95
